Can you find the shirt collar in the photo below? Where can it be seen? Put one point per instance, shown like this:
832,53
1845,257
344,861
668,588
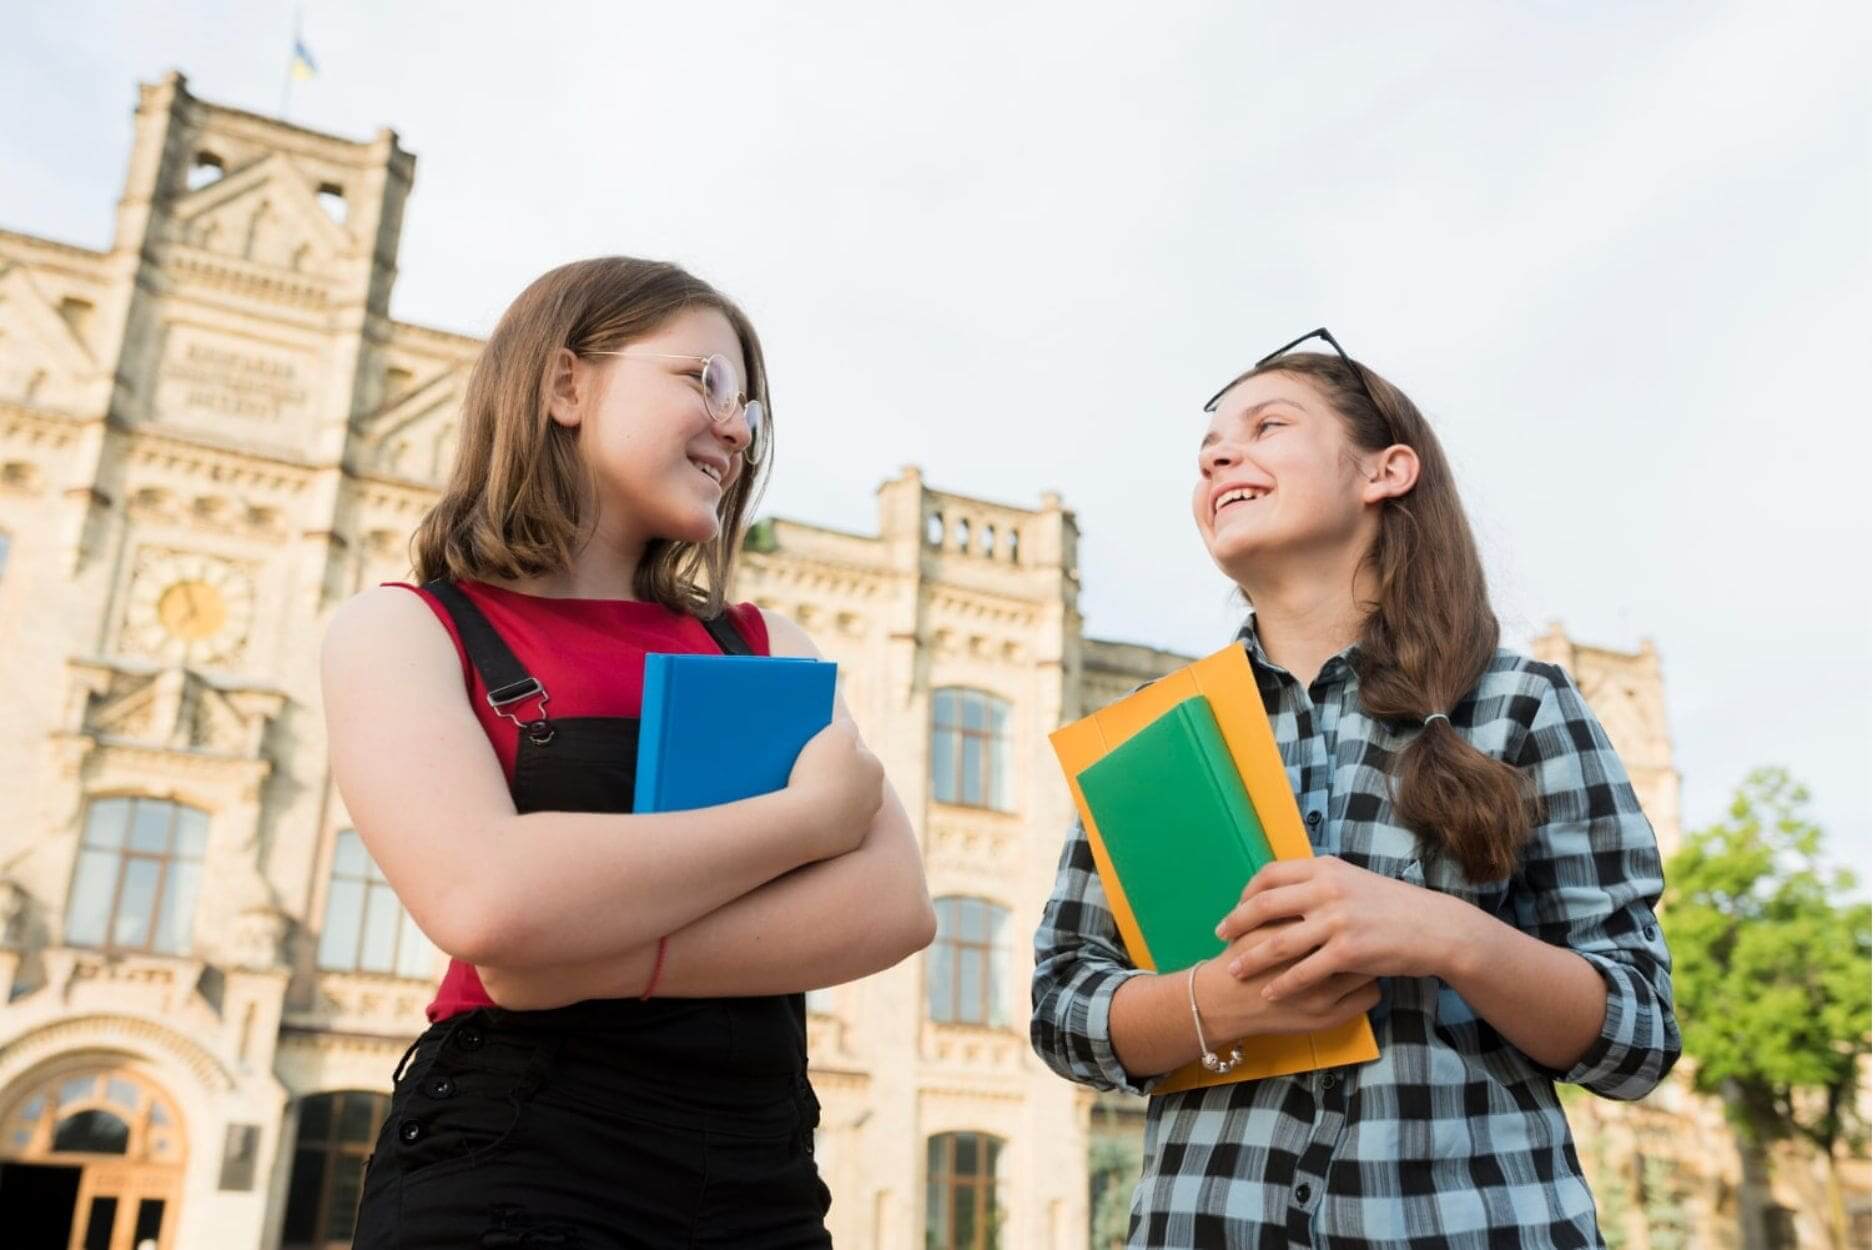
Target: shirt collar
1338,665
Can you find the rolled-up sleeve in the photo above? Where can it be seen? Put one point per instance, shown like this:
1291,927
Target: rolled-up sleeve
1590,880
1079,964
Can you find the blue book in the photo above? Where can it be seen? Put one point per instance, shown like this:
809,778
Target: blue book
718,728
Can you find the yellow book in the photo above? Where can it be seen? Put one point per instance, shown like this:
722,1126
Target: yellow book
1229,687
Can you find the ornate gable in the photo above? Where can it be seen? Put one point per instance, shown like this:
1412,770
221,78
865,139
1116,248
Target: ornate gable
266,213
414,436
172,709
42,361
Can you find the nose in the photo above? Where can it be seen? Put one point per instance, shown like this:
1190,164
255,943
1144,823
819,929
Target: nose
733,431
1217,456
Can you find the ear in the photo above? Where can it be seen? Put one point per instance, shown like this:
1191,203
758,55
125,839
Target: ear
1389,473
568,378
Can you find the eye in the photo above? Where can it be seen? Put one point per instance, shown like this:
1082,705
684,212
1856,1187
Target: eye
1267,423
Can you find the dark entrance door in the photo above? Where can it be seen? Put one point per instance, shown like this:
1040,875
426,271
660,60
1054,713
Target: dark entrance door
39,1201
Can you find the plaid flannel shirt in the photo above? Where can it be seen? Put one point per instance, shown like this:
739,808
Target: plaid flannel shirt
1453,1138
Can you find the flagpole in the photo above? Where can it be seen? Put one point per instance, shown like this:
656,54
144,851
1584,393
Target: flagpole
286,88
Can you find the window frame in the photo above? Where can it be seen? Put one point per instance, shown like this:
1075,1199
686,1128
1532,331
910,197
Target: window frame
998,752
372,880
945,1181
995,946
124,854
332,1147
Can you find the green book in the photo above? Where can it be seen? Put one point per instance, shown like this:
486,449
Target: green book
1180,829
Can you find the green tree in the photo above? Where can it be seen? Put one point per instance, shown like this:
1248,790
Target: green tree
1771,980
1113,1171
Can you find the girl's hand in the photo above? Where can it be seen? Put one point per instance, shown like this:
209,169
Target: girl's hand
1234,1007
843,785
1340,920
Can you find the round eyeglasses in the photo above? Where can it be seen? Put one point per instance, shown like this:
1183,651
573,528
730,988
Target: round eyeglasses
722,398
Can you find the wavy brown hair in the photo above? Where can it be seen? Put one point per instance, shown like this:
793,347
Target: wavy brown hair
1429,634
512,506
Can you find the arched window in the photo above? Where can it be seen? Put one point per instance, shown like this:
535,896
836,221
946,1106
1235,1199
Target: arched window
336,1132
139,871
332,200
366,929
970,749
207,169
960,1209
93,1111
967,967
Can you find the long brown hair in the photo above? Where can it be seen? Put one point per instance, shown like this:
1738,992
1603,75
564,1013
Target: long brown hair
1429,635
511,508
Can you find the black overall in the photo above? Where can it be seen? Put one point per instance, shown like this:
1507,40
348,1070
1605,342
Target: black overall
611,1123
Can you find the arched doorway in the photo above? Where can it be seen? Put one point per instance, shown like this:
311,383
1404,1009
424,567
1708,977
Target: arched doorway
91,1158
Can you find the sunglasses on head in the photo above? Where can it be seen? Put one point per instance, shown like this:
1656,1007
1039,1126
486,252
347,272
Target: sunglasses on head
1320,332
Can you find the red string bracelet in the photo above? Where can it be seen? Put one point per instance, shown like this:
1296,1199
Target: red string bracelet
656,969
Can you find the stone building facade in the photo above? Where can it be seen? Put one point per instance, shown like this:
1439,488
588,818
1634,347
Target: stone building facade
211,434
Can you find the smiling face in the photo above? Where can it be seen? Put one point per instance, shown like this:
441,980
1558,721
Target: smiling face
1279,478
661,467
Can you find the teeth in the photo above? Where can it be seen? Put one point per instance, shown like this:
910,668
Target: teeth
1233,496
710,469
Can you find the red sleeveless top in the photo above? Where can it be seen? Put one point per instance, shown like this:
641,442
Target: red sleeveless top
589,654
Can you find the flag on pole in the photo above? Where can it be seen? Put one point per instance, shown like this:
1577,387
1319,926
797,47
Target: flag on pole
302,65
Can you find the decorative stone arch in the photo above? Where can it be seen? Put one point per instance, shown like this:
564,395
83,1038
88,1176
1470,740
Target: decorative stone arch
192,1074
40,1111
119,1106
199,1088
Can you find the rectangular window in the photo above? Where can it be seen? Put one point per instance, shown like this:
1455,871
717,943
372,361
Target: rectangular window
345,920
970,744
138,874
366,927
966,968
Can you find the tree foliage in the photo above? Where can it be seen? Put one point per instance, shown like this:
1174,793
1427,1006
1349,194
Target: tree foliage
1771,968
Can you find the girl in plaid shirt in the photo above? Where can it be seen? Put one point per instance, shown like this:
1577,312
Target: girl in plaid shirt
1483,888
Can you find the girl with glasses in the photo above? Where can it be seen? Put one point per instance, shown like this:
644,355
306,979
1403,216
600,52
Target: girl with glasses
1483,886
617,1054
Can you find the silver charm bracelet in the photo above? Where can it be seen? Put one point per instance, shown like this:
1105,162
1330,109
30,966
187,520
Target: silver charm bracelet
1210,1060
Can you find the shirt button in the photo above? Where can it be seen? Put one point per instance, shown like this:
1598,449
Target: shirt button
1650,933
1330,1080
439,1087
410,1130
1302,1193
1315,820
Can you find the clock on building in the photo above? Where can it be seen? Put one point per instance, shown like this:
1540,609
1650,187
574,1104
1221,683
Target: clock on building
187,607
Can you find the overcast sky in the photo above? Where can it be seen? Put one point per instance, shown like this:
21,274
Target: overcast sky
1619,254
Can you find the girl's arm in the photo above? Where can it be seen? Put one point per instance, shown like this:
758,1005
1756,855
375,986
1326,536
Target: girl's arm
1581,984
1099,1020
428,797
824,924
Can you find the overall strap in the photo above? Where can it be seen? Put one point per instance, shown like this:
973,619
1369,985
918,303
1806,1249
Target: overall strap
723,629
507,679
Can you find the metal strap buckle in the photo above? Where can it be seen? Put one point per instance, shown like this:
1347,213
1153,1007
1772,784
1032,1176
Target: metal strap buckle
514,692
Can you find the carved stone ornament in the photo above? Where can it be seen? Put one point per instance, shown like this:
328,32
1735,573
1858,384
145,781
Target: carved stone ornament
257,941
15,903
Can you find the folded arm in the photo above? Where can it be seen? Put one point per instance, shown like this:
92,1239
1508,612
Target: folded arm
823,924
426,792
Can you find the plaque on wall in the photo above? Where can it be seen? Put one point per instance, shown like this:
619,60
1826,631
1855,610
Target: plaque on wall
217,380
